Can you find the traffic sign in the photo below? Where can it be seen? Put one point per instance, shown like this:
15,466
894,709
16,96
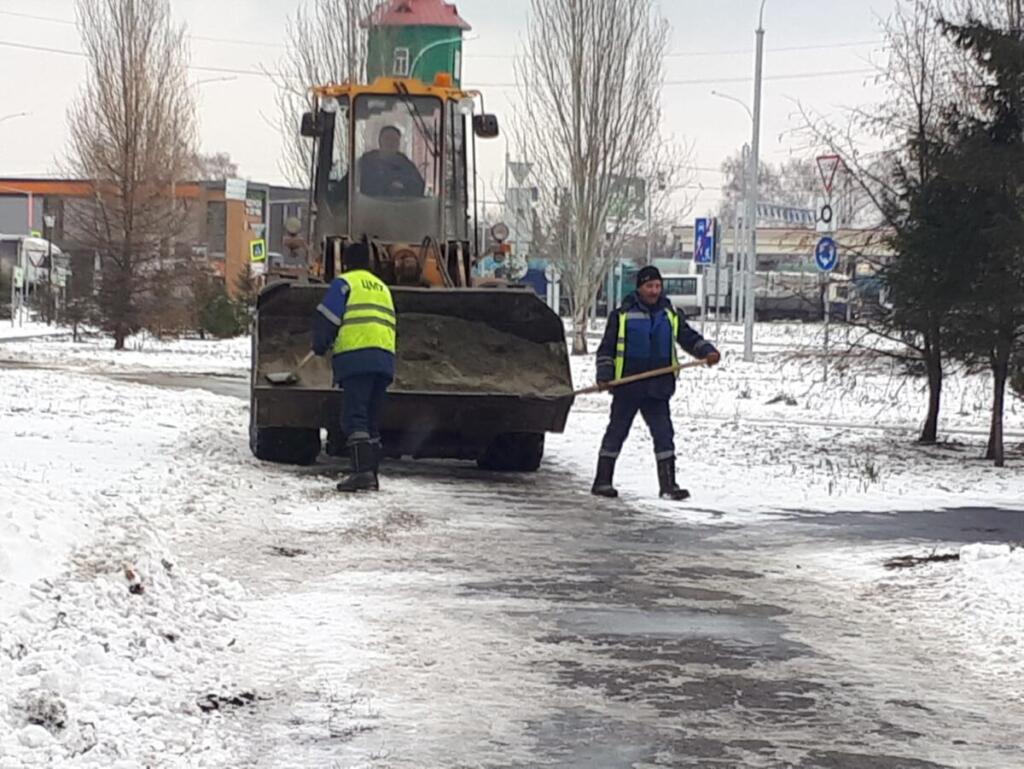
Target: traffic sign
704,241
257,250
235,189
826,254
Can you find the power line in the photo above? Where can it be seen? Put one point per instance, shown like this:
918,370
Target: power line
720,80
69,22
271,73
196,67
723,52
470,55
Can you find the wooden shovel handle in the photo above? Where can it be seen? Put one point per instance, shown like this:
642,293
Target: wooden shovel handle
640,377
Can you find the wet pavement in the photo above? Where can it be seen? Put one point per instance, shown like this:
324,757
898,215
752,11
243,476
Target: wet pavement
521,623
510,622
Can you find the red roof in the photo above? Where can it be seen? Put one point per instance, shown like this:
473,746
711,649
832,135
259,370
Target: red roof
418,13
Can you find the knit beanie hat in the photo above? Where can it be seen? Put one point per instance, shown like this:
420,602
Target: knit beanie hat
646,275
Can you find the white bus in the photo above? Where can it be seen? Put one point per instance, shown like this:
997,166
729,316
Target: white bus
684,291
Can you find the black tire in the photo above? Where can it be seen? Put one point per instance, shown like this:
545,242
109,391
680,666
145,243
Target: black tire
285,445
513,453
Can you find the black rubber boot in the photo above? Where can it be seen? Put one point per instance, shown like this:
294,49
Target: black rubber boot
364,469
603,480
667,481
378,453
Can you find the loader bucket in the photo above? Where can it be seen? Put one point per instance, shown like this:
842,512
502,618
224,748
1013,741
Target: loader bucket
481,373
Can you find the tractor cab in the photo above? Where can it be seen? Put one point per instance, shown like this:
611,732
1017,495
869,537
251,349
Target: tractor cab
391,164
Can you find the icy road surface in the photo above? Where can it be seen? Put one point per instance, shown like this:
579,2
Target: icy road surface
167,601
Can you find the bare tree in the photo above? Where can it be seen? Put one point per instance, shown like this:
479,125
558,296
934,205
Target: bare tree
327,43
589,79
133,135
669,178
217,166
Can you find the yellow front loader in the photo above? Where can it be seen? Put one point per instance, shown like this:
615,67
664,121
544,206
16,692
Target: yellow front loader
482,370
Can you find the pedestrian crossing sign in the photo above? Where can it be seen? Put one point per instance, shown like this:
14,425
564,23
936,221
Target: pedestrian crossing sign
257,250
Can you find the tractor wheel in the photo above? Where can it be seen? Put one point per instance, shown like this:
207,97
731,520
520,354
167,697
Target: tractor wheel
513,453
285,445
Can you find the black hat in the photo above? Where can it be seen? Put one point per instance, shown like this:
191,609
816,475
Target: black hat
357,256
646,275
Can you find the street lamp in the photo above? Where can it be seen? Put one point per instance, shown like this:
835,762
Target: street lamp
752,191
742,103
14,115
213,80
435,44
743,269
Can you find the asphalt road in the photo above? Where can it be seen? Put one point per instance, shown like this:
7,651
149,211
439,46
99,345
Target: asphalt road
542,627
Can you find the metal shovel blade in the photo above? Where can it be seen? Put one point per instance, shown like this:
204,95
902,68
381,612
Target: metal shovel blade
283,378
289,377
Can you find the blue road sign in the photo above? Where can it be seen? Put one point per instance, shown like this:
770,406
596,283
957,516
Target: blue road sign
826,254
704,241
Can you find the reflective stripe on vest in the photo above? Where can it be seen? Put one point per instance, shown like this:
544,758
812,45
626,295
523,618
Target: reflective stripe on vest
369,320
620,342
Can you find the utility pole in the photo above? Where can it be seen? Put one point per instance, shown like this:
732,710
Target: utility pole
49,220
752,198
740,261
718,282
650,225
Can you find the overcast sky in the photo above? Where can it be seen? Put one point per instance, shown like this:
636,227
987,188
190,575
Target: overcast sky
712,43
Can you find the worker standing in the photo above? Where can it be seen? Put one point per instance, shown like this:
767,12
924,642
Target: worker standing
356,320
641,336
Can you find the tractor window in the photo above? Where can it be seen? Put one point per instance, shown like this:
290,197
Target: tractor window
339,153
334,168
456,202
398,150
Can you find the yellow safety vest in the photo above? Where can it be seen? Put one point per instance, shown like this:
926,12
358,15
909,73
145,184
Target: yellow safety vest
369,319
620,343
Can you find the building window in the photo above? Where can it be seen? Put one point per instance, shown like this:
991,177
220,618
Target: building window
216,227
401,67
457,68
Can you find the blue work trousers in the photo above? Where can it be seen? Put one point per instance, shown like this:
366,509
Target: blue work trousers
656,414
364,399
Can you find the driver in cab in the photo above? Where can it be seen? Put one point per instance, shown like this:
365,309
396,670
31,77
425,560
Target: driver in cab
386,172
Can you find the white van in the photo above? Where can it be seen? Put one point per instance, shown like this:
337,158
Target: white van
684,291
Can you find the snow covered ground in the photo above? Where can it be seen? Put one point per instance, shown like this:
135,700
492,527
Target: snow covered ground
29,330
142,353
134,527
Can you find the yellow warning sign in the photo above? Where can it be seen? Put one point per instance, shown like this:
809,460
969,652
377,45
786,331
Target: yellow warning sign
257,250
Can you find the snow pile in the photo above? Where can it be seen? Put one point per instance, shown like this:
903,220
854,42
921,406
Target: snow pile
109,665
108,649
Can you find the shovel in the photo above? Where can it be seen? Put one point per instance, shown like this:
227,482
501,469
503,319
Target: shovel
290,377
640,377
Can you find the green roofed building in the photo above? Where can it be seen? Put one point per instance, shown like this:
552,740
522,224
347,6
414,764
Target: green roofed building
415,38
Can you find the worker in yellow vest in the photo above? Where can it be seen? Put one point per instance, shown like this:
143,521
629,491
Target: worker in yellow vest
356,320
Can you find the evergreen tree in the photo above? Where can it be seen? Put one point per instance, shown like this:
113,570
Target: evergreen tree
986,164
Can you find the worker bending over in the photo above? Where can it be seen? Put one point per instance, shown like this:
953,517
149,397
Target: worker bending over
356,320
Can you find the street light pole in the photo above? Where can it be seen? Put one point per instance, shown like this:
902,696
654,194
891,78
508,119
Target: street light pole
752,196
435,44
49,220
14,115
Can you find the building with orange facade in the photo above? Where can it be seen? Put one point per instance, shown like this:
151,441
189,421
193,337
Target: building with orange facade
227,220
